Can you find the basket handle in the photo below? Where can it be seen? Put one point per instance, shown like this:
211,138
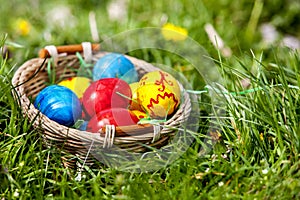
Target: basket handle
69,49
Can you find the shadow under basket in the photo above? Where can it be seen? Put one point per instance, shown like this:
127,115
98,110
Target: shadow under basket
76,145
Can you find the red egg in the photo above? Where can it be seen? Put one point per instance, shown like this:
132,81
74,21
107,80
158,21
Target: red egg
106,93
113,116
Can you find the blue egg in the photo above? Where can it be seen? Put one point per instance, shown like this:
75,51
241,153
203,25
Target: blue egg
114,65
59,104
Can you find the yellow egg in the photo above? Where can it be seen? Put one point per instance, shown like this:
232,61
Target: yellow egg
139,114
134,103
158,94
77,84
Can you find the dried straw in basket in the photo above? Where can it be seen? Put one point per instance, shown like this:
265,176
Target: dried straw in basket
30,79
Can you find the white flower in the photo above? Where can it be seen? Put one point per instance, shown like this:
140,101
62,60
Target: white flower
264,171
269,33
291,42
16,193
117,10
61,15
221,183
21,164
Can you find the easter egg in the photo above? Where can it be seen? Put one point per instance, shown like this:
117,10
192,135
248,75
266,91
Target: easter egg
113,116
134,100
139,114
106,93
77,84
59,104
158,94
83,126
114,65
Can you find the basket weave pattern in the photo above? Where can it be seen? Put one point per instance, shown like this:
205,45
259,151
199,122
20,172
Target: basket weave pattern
30,79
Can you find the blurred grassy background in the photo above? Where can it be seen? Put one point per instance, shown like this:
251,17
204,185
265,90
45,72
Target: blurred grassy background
238,22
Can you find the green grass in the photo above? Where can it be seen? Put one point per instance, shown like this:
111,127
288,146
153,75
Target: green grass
255,143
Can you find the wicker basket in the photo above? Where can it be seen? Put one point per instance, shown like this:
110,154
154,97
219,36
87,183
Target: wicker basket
30,79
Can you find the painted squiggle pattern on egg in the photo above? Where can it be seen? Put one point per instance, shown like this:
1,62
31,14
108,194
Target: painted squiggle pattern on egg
150,106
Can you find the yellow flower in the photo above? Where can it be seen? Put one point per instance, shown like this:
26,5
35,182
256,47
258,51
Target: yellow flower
175,33
184,68
261,136
23,27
